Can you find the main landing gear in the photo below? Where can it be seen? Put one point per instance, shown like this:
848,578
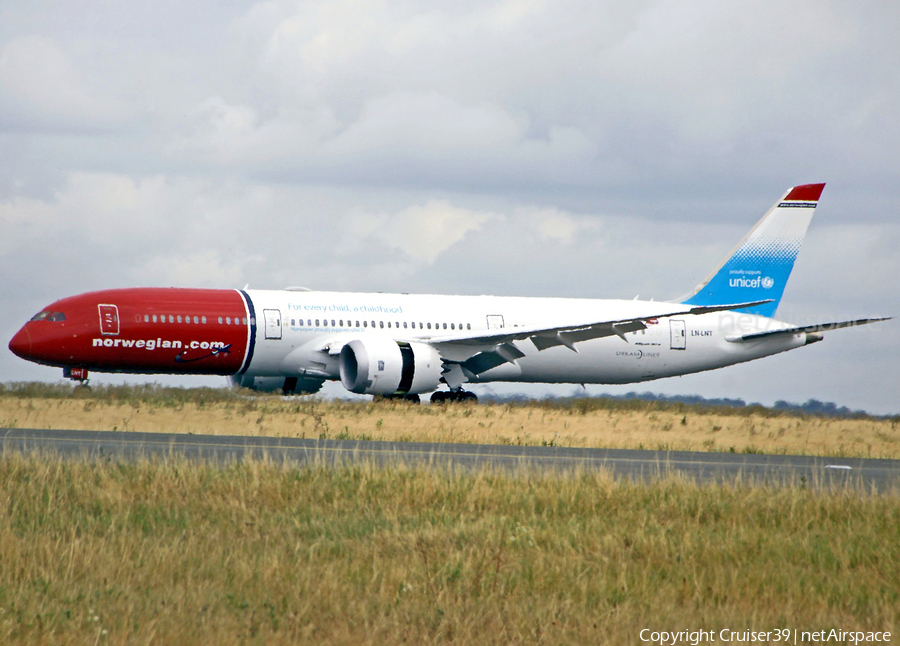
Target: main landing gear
441,397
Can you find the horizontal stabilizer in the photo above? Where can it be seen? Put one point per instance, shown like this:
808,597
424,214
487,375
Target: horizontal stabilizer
820,327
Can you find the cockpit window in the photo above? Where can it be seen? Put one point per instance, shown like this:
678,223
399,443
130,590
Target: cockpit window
49,316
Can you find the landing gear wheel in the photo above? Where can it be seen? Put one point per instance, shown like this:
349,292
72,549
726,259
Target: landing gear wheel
410,399
441,397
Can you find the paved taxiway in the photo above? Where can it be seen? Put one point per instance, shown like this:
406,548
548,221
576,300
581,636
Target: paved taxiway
703,467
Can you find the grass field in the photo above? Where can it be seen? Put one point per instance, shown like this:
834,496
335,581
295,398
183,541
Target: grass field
579,422
175,552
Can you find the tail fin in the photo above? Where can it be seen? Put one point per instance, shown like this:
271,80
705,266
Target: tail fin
759,267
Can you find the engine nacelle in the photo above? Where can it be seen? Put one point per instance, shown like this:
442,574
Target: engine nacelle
382,366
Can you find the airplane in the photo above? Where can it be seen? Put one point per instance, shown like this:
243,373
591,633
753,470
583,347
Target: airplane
400,346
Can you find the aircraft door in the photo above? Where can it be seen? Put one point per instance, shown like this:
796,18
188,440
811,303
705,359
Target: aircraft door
678,334
494,321
273,323
109,319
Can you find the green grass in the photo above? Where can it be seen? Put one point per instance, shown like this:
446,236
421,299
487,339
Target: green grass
179,552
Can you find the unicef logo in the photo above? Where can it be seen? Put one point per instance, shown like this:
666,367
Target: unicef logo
768,282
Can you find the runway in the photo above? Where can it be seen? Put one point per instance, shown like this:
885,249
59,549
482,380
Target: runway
870,474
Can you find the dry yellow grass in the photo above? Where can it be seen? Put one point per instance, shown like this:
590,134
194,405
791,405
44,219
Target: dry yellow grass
179,552
636,426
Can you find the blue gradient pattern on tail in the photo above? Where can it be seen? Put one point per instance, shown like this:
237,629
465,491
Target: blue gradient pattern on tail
759,267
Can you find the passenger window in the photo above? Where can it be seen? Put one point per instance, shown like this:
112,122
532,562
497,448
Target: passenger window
468,326
228,320
146,318
179,318
445,326
404,325
381,324
429,326
317,322
203,320
365,324
341,323
154,318
389,324
196,320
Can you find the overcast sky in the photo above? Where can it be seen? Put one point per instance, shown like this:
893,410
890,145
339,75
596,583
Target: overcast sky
550,148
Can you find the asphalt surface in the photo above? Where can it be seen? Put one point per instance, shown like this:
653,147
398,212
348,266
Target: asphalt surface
870,474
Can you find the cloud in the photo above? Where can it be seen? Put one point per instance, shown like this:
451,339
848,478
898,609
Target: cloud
567,148
41,88
425,232
205,266
427,124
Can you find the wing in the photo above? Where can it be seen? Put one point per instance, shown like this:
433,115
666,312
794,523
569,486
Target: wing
819,327
486,349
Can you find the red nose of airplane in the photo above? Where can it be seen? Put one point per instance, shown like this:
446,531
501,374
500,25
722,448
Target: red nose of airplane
21,344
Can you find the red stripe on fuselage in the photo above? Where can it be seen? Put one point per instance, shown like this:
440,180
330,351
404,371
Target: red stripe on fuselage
170,344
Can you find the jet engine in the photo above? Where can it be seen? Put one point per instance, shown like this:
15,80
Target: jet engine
382,366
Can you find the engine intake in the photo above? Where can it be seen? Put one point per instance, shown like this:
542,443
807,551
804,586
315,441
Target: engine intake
383,366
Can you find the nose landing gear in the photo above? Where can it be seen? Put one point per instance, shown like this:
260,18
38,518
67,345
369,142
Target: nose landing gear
77,374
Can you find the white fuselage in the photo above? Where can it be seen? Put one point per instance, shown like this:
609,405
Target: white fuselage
295,330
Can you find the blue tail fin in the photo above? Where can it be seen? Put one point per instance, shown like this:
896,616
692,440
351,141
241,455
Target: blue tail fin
759,267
